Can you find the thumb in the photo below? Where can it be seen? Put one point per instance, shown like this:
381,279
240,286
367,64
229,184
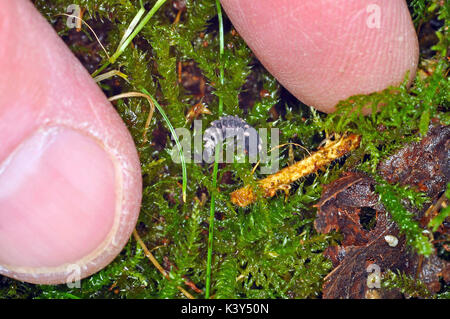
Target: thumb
70,183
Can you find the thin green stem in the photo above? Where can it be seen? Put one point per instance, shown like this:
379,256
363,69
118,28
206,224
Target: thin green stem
132,25
138,29
221,51
125,43
177,141
216,161
211,223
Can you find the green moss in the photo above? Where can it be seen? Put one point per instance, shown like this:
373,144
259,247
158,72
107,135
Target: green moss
445,212
391,199
407,285
271,249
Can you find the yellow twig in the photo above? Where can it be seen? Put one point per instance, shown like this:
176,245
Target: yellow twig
281,180
279,146
81,18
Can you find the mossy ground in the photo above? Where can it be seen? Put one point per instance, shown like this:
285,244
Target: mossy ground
271,249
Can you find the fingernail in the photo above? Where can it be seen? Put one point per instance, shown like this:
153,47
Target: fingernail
57,199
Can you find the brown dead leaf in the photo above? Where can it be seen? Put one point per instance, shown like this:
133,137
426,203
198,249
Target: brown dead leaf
345,202
341,204
424,165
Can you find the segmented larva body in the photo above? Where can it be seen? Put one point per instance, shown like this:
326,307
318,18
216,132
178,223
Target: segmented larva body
227,127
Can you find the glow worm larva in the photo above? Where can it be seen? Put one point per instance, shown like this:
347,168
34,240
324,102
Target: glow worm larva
227,127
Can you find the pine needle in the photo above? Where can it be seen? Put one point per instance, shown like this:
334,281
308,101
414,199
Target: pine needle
93,32
177,141
153,260
138,94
